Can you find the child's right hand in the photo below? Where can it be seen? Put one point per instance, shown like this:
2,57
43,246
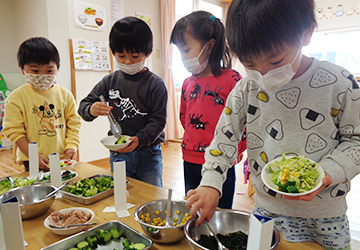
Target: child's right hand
204,198
99,108
43,163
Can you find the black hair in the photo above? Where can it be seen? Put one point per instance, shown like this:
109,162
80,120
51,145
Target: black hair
261,27
37,50
131,34
203,26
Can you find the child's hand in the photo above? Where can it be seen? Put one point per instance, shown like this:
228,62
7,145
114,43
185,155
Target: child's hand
204,198
43,163
99,108
327,181
70,154
133,144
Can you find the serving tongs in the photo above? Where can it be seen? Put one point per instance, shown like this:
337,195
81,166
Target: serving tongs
73,225
114,125
11,180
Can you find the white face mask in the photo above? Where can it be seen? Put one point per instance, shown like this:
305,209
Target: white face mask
193,65
131,69
274,78
40,81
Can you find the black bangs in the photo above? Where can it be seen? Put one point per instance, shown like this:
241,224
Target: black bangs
261,27
38,50
131,34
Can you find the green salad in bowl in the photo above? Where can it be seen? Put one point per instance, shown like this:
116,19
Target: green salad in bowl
293,175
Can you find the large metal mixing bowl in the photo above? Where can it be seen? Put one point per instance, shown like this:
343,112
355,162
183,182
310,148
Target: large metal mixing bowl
224,221
31,199
162,234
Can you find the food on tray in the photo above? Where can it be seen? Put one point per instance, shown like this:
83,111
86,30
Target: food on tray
5,184
122,139
234,241
65,176
102,237
65,163
295,174
157,221
73,217
90,187
99,21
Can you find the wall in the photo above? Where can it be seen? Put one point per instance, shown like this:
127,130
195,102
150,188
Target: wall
55,20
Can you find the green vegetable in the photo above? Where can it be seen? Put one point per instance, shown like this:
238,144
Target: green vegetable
139,246
295,174
115,232
126,243
103,235
5,184
122,139
92,240
233,241
83,245
73,248
90,187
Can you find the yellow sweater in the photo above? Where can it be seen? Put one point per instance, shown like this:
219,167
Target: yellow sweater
47,117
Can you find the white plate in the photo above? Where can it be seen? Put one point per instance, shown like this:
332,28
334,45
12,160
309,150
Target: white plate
70,166
62,171
67,231
266,178
109,143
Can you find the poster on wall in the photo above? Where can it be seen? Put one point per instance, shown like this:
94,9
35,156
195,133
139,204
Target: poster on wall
145,17
101,56
90,16
82,54
117,10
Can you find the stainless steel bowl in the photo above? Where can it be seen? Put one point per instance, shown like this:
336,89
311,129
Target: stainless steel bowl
162,234
224,221
31,199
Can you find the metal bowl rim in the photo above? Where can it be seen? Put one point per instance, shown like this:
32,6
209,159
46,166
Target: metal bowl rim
25,187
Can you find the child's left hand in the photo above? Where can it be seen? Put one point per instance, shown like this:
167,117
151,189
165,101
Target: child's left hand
327,181
70,154
134,143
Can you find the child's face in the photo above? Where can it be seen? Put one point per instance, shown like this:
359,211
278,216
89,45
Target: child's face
265,63
129,58
191,48
41,69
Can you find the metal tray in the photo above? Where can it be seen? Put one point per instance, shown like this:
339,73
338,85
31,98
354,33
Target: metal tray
126,231
92,199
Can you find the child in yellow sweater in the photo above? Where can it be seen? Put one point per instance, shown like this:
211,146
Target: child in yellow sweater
41,111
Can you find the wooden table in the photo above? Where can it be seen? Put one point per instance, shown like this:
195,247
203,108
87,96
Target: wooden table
38,236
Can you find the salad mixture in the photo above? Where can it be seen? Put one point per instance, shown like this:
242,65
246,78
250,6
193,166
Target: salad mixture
294,175
122,139
5,185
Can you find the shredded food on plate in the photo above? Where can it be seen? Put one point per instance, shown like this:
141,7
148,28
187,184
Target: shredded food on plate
74,217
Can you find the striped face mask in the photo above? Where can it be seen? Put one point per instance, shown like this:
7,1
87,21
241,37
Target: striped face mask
41,81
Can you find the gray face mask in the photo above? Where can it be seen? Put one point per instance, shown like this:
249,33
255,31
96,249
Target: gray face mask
131,69
193,65
274,78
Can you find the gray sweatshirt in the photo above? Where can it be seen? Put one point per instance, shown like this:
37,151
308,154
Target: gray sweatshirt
139,104
315,115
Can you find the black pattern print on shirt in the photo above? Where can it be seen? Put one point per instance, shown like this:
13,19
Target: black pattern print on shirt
322,78
314,143
253,113
200,148
196,123
339,190
310,118
255,166
214,94
227,131
195,93
275,129
183,91
289,97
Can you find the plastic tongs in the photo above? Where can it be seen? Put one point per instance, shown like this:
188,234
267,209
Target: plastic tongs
114,125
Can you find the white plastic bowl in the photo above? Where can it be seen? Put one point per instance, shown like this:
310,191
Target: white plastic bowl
70,166
62,171
266,178
71,230
109,143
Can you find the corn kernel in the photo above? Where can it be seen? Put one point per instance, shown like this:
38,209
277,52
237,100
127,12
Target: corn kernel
178,212
157,212
176,219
